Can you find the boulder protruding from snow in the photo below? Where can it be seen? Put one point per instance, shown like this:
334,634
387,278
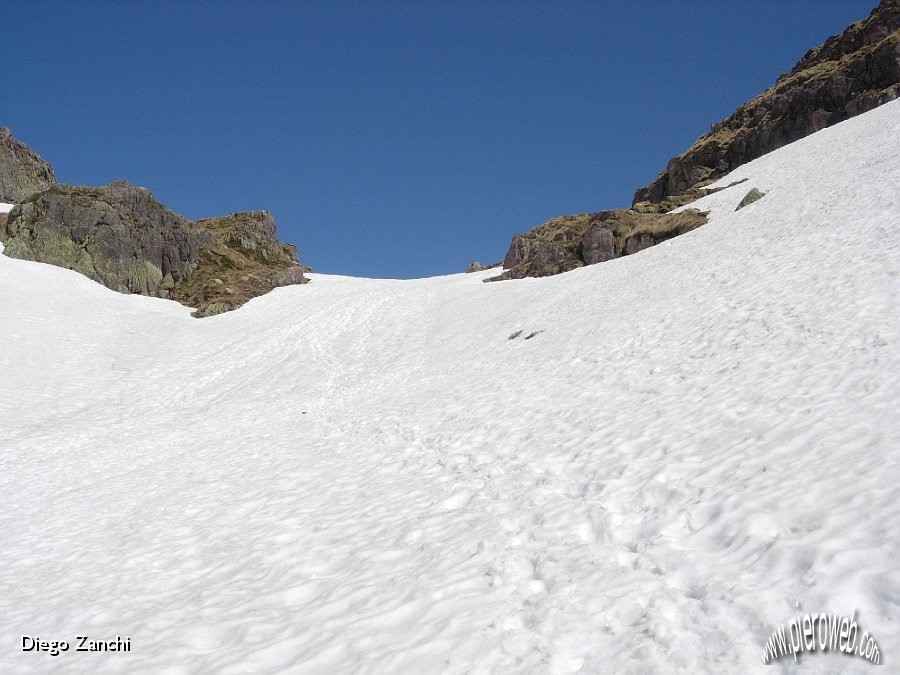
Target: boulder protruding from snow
753,196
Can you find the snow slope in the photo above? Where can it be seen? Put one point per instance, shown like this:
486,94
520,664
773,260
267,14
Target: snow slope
369,476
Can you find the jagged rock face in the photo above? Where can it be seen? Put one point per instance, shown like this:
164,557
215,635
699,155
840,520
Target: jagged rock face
123,237
244,260
564,244
253,233
847,75
119,235
22,171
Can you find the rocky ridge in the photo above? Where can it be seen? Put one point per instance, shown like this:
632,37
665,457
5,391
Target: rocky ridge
566,243
123,237
847,75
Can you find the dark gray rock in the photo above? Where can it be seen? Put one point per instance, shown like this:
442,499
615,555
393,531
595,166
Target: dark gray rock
598,244
604,216
119,235
22,171
503,276
639,243
752,196
519,251
549,254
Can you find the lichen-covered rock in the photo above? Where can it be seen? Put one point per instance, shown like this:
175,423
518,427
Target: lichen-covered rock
253,233
566,243
244,260
123,237
848,75
22,171
119,235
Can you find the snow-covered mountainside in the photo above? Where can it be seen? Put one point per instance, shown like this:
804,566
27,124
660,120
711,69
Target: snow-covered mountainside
370,476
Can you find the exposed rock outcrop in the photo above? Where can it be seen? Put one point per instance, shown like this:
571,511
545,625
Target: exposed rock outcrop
119,235
566,243
478,267
123,237
848,75
22,171
243,261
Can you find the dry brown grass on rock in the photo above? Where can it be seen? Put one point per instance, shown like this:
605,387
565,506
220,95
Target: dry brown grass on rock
245,260
566,243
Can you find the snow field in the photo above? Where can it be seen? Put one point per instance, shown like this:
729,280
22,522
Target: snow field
369,476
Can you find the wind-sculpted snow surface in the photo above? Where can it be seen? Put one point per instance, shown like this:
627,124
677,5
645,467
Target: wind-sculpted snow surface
364,476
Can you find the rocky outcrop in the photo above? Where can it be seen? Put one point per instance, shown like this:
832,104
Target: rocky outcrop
119,235
478,267
566,243
243,261
22,171
123,237
847,75
753,196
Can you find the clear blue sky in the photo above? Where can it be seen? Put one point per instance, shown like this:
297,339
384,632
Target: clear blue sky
390,139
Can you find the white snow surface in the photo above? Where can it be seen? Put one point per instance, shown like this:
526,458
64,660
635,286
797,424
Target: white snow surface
6,208
369,476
